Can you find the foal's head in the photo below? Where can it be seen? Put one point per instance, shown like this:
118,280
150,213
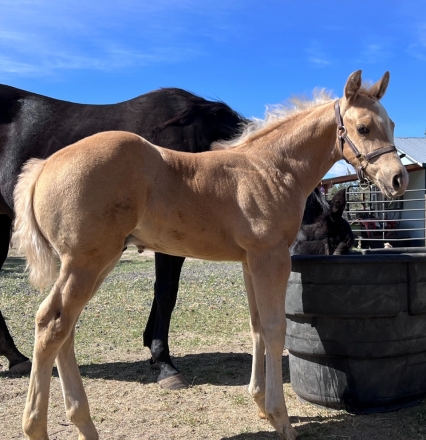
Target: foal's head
366,125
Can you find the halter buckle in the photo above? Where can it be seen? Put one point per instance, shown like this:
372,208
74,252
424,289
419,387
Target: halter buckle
342,132
364,184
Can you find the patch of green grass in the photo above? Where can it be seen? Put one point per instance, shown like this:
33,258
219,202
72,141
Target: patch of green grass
211,307
241,399
191,419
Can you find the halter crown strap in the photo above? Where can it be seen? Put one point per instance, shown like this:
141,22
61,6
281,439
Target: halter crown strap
343,137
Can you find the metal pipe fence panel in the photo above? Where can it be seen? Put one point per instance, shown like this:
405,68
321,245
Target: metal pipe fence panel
378,222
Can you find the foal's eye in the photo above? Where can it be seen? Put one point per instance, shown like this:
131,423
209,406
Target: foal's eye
362,129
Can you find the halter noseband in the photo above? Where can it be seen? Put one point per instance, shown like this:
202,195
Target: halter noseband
343,137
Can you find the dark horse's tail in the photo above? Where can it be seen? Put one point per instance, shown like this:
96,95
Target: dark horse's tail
41,258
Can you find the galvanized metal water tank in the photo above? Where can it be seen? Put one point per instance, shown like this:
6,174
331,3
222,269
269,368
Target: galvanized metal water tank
356,329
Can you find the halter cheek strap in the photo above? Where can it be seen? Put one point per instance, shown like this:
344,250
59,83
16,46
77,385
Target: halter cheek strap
342,134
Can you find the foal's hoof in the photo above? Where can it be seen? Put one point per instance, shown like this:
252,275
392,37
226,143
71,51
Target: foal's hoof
176,382
261,414
22,368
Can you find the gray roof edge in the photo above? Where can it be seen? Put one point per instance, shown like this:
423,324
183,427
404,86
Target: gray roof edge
411,158
414,148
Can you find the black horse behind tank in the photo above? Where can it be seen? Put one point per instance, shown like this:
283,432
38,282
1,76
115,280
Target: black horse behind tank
324,230
32,125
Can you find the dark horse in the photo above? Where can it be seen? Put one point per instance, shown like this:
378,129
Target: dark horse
32,125
324,230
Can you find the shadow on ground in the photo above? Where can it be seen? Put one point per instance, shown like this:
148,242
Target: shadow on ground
399,425
13,265
222,369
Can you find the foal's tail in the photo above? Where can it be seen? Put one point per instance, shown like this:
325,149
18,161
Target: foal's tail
41,258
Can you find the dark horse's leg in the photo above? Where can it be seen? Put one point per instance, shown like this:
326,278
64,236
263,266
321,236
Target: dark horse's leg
18,363
5,228
156,334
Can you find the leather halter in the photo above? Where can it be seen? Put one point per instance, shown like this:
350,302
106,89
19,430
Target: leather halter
342,134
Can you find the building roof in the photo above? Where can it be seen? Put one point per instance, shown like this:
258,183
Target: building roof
414,148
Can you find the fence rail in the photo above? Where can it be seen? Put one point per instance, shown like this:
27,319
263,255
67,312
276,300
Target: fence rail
377,222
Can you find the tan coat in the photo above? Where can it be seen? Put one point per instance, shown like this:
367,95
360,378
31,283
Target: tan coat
244,203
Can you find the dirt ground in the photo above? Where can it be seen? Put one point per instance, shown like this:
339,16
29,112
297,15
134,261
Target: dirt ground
127,403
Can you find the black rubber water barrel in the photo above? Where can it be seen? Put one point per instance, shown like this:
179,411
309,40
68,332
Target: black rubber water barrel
356,329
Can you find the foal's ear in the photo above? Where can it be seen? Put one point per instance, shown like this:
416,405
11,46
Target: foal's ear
379,89
337,204
353,84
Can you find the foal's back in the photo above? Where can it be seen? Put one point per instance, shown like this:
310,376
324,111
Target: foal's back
116,184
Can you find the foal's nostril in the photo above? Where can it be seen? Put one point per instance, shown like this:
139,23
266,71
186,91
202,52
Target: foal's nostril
396,182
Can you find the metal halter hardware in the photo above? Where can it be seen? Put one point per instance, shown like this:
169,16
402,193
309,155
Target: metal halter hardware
343,137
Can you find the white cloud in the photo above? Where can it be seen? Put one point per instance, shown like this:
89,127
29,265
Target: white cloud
316,55
19,68
417,51
422,33
418,48
47,60
45,36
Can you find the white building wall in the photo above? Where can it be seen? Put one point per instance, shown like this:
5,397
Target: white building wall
414,208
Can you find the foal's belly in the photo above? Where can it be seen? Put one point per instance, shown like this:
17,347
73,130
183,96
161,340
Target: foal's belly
204,244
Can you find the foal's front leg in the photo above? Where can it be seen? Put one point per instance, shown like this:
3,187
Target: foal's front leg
269,274
257,380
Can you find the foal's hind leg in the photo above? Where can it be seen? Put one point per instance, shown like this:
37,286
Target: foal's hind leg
269,272
75,399
76,403
55,321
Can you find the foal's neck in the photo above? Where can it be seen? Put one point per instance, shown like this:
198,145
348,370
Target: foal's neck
304,145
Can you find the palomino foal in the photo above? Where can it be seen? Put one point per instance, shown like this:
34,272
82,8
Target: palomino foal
252,196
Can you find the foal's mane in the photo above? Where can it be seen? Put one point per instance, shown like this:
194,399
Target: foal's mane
276,114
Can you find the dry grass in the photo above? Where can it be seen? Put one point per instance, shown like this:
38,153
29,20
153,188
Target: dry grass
211,343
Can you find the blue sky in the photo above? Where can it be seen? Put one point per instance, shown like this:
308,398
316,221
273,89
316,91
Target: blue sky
244,52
